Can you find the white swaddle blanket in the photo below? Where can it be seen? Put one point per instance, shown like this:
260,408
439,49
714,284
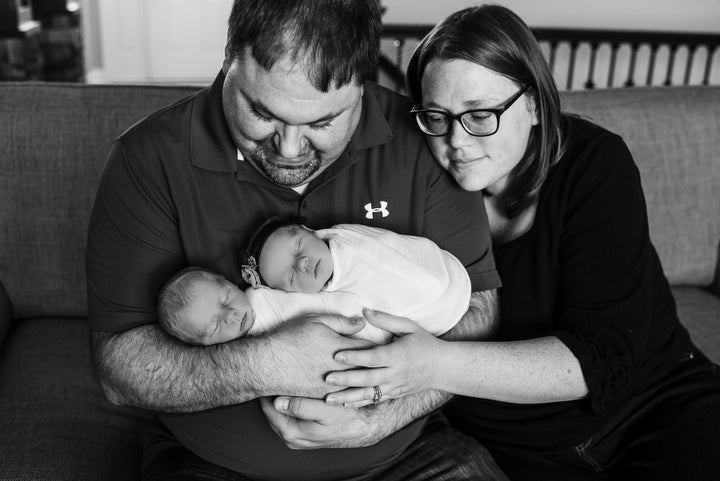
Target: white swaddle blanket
402,275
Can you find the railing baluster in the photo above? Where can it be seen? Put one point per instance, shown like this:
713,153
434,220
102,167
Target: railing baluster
571,65
708,65
399,47
630,82
671,65
688,64
553,49
590,83
611,70
651,64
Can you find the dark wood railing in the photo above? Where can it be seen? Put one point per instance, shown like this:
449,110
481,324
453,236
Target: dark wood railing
590,58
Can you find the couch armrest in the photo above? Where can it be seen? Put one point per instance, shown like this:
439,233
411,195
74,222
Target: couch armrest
5,315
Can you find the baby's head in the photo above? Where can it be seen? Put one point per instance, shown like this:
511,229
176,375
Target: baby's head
290,257
199,306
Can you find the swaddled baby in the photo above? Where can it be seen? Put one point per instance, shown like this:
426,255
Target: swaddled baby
293,270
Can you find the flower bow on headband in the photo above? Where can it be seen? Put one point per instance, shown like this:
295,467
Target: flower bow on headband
248,269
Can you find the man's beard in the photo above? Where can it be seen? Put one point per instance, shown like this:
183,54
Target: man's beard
267,160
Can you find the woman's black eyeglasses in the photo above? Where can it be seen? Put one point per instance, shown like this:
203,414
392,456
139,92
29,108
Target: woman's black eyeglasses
477,122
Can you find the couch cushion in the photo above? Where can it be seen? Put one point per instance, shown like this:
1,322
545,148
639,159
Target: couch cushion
699,311
55,138
54,421
673,135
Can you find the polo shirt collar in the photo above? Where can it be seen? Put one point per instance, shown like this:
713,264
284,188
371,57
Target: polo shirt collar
212,146
373,128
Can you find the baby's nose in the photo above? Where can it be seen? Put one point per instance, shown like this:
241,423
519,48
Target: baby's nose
302,263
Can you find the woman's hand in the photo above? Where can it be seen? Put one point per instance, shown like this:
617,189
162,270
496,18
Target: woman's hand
407,365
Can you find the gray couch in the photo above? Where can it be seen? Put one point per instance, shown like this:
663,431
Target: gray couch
55,423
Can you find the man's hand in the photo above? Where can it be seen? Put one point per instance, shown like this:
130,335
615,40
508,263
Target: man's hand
305,423
302,352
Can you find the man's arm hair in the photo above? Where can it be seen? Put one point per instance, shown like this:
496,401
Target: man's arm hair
478,324
147,368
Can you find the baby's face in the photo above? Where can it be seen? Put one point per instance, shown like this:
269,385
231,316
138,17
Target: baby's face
294,259
219,312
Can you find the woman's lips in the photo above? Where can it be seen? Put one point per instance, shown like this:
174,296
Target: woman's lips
466,161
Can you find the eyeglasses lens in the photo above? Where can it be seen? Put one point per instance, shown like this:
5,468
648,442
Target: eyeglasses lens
475,122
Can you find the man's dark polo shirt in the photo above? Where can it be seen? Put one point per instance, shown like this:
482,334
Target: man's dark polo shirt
174,194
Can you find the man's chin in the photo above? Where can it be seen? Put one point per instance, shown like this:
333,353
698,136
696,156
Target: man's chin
284,164
288,179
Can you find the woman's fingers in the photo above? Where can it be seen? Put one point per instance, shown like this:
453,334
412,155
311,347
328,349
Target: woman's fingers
351,397
360,396
388,322
357,377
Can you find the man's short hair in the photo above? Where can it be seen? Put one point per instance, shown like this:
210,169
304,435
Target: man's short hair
176,295
337,41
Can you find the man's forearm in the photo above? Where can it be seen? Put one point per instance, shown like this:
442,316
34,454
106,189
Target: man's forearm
479,322
147,368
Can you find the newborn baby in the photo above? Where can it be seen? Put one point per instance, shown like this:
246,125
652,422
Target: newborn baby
294,271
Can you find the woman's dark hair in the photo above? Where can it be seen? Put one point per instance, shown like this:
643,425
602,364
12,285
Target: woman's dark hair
496,38
338,41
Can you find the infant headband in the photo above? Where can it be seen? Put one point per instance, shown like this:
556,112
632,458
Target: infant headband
250,256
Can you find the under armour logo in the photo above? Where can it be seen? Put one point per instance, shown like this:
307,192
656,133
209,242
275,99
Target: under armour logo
371,210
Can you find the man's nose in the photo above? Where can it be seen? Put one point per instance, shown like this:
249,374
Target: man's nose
289,141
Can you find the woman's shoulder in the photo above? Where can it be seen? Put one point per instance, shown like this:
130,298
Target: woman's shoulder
592,149
595,160
582,133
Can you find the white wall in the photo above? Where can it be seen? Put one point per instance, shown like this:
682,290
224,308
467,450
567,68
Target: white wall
669,15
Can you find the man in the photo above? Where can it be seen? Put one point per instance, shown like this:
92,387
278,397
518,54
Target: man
289,127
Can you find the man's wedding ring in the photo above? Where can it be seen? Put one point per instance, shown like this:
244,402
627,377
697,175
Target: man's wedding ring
377,396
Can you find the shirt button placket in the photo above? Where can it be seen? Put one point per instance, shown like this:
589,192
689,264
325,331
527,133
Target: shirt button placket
302,212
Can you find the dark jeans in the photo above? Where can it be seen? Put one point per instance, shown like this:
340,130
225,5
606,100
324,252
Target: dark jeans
441,453
675,435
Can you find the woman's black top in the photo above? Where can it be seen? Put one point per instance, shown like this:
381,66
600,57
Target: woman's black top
587,273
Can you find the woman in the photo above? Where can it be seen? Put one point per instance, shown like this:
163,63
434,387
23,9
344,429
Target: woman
591,375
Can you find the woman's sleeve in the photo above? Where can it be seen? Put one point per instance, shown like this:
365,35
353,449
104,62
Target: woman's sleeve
606,265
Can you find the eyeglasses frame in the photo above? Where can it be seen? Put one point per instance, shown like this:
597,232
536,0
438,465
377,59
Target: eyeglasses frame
497,111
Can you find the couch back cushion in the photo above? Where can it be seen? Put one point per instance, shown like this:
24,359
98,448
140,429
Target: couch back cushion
674,136
54,139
